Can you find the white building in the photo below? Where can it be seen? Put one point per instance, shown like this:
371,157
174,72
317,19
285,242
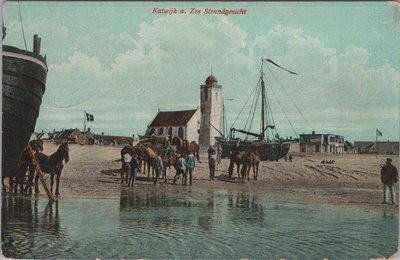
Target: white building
184,124
196,124
321,143
211,111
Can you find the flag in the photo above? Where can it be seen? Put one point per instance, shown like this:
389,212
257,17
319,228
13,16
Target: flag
89,117
378,133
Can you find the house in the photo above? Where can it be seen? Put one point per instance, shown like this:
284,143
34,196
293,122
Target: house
112,140
372,147
184,124
70,135
321,143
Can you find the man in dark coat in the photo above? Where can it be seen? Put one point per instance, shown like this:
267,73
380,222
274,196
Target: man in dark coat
389,178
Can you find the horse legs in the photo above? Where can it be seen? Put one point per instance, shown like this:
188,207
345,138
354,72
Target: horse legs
58,177
148,171
238,170
51,182
37,183
256,172
230,169
31,175
2,183
165,175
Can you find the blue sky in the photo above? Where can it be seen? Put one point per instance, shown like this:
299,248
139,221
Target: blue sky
121,62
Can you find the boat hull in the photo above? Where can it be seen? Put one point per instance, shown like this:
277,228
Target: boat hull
269,151
24,79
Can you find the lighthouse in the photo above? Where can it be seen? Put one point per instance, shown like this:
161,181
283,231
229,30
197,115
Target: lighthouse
211,111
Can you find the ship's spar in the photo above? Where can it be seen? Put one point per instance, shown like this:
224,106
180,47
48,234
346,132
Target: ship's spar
269,149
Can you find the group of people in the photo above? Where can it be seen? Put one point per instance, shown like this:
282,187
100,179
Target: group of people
131,163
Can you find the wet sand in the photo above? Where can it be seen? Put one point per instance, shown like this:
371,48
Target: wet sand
352,180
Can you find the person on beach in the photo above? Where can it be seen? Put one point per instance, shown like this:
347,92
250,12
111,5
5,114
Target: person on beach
219,153
134,164
126,158
169,150
180,169
389,176
190,164
158,167
210,151
212,160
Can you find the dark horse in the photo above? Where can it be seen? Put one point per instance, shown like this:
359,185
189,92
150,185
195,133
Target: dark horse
52,164
19,170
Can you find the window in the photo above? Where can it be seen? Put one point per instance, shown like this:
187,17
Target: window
161,131
180,132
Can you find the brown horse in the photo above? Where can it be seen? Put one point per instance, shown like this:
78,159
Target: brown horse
53,164
236,158
184,147
252,160
168,162
248,160
148,155
20,169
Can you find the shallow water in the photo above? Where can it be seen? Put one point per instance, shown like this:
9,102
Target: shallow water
208,224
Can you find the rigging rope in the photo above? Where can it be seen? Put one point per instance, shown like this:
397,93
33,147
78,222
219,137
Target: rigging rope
281,85
244,106
22,26
276,97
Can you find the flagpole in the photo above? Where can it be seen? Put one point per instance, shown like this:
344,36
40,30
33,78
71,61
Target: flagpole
376,141
84,126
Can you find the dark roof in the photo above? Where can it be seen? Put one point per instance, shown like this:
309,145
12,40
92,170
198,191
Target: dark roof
211,79
66,133
172,118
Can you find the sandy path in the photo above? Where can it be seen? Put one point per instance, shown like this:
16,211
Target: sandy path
352,179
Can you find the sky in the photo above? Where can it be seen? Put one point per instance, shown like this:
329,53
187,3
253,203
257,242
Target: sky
122,62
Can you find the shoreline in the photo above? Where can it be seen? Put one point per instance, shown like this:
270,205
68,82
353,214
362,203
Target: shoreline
353,180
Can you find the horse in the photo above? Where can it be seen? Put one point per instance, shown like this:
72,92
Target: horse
53,164
252,160
184,147
248,160
168,161
148,155
19,170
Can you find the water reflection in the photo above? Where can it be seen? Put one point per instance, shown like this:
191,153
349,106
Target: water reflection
22,225
181,209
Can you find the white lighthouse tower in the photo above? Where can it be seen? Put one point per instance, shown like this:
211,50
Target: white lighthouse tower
211,108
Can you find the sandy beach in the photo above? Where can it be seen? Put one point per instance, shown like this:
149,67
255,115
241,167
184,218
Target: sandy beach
352,180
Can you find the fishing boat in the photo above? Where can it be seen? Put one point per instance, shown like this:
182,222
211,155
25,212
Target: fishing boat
267,141
24,83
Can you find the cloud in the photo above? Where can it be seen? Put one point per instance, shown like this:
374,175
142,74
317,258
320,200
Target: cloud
164,65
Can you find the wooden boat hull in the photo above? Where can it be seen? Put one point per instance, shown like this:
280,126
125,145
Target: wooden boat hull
269,151
24,79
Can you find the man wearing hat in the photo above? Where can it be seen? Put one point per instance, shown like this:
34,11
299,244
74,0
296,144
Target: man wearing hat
389,178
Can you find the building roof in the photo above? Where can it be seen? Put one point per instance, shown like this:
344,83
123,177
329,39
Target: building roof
172,118
66,133
211,79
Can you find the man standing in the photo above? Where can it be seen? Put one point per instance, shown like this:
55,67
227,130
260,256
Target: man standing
219,153
134,167
212,160
190,164
389,178
126,158
158,167
180,169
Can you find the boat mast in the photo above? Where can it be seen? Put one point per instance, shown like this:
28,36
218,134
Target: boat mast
262,102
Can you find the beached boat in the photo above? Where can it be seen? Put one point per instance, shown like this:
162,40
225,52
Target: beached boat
24,79
267,142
